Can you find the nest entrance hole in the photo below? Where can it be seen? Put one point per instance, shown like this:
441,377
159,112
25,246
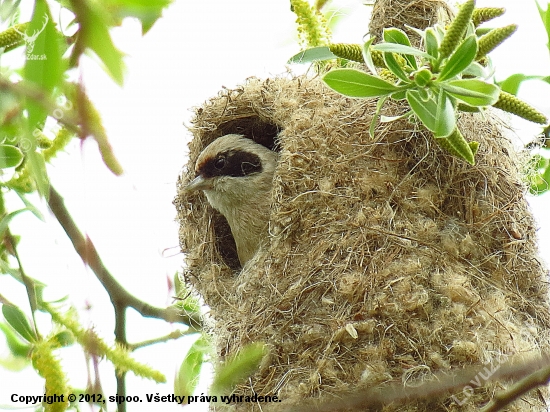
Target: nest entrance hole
253,127
262,132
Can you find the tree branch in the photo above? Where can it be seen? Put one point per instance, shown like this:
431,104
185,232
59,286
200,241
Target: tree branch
506,397
119,296
443,384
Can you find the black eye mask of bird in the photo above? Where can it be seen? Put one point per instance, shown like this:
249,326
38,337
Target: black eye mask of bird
234,163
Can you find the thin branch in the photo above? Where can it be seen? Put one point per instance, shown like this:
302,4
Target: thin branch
38,96
120,336
176,334
443,384
119,296
506,397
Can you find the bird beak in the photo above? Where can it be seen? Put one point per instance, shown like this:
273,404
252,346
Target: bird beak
199,183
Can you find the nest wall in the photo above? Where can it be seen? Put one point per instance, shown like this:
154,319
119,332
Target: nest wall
388,259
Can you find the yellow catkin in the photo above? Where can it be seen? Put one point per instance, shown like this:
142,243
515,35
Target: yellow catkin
118,355
511,104
456,29
488,42
484,14
312,26
13,35
49,367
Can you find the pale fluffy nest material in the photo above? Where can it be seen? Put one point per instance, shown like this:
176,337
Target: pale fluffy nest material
389,260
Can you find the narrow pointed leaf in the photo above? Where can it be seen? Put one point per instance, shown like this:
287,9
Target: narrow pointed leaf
397,36
355,83
445,118
18,321
432,45
188,375
401,49
238,368
16,346
460,59
395,68
367,56
477,70
436,113
473,92
425,110
312,55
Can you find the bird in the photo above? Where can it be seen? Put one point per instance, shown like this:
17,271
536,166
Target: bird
236,175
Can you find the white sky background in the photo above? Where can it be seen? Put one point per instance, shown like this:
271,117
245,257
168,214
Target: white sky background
198,47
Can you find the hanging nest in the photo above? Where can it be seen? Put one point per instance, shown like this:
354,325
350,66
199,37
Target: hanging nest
388,259
403,14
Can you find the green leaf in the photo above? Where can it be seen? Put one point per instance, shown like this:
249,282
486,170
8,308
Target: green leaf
237,368
18,321
37,169
432,44
367,56
312,55
188,374
545,16
512,83
460,59
44,68
4,223
44,65
10,156
473,92
395,68
355,83
476,70
376,115
29,206
15,344
401,49
147,11
62,339
397,36
94,32
437,115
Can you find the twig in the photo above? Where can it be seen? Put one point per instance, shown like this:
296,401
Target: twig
176,334
38,96
119,296
443,384
506,397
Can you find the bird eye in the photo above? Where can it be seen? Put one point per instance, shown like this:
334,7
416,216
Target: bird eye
219,163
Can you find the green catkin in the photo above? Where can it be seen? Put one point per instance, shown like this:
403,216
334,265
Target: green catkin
457,145
488,42
354,52
484,14
351,52
118,355
511,104
61,140
312,26
456,30
388,76
48,366
11,36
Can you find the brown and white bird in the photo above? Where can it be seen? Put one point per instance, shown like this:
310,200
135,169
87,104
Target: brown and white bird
236,175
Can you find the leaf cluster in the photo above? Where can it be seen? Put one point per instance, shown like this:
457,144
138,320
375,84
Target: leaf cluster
449,73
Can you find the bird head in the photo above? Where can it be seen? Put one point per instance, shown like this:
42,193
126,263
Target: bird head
233,166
